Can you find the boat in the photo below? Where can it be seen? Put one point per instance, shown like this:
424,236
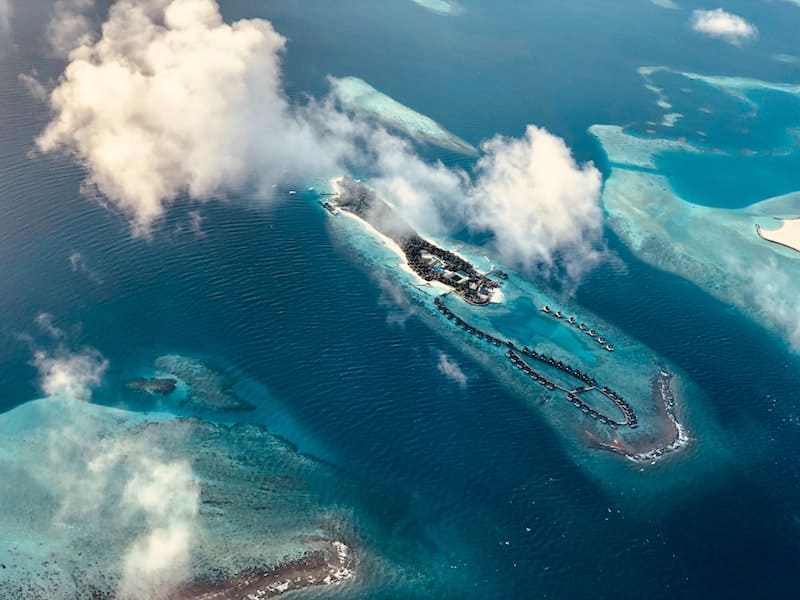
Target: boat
545,309
592,333
610,347
601,340
571,320
582,326
559,315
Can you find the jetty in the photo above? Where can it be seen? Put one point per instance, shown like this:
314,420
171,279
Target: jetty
585,383
574,322
329,207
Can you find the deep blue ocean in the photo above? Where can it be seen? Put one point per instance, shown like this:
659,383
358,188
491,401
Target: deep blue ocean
473,472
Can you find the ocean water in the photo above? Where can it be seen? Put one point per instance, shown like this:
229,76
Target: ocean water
502,498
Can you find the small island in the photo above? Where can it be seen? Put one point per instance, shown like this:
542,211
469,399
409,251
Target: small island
208,388
330,563
610,422
192,384
425,258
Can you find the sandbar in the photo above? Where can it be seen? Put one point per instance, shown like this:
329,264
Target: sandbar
787,235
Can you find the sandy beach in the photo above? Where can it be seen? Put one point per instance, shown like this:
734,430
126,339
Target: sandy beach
787,235
389,243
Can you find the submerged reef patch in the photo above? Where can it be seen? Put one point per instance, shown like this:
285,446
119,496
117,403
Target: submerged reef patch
358,96
726,246
101,503
106,504
209,389
153,385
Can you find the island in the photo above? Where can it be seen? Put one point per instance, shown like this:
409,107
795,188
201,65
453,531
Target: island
575,365
425,258
330,563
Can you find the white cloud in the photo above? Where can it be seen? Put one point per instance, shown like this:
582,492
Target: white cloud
786,58
394,299
69,26
154,500
63,372
451,369
79,265
542,207
168,497
170,100
35,87
666,4
767,287
6,9
420,191
196,223
723,25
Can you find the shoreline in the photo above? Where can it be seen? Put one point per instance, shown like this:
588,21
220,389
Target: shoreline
395,247
676,439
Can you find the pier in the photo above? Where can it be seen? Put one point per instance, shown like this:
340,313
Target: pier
585,382
557,314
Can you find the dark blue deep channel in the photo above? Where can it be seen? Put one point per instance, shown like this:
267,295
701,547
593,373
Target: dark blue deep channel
474,473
